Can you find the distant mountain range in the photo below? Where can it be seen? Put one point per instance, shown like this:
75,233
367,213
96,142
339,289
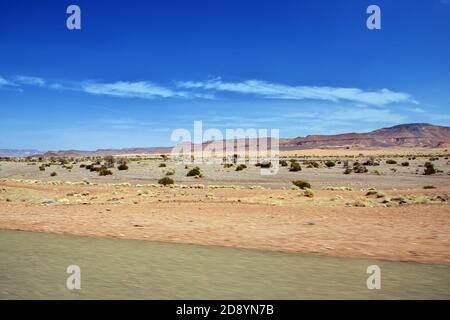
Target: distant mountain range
404,135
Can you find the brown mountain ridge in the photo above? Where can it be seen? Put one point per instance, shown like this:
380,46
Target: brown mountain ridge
405,136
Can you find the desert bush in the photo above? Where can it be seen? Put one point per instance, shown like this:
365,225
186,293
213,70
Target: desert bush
371,162
241,167
295,166
371,193
390,161
311,164
405,164
165,181
103,171
329,163
283,163
53,174
302,184
226,165
109,161
359,168
308,193
82,165
170,173
429,187
194,172
348,171
162,165
42,168
122,167
429,169
266,164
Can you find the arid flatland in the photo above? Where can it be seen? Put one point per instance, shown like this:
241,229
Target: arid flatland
390,211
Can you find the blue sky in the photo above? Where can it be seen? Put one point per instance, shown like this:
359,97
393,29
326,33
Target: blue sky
139,69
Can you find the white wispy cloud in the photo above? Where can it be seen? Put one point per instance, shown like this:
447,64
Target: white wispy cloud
33,81
4,82
281,91
140,89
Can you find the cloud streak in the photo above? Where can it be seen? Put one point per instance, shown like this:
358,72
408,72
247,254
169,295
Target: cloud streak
210,88
271,90
140,89
32,81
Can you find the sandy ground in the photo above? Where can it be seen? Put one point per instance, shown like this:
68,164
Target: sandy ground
415,229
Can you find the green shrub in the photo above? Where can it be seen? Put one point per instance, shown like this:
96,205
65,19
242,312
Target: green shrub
266,165
241,167
405,164
122,166
390,161
359,168
283,163
348,171
371,162
104,172
165,181
162,165
170,173
53,174
295,166
42,168
329,163
311,164
194,172
226,165
302,184
429,169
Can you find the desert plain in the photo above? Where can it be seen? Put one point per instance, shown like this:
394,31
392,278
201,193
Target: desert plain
386,206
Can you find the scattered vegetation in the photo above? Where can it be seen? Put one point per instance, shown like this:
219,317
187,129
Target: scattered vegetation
295,166
329,163
266,164
359,168
166,181
103,171
122,166
283,163
194,172
429,168
302,184
170,173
